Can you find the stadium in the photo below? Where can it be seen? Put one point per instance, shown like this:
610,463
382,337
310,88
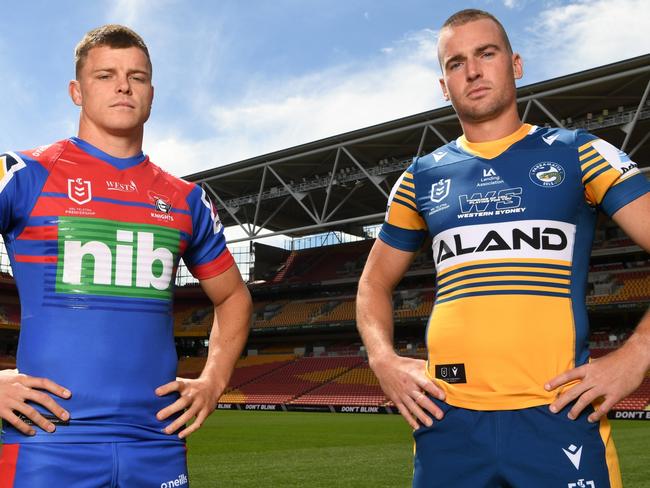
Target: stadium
299,402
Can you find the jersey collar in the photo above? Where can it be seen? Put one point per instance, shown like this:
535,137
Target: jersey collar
119,163
492,149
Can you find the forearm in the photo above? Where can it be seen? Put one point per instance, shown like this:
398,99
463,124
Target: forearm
375,320
639,341
230,328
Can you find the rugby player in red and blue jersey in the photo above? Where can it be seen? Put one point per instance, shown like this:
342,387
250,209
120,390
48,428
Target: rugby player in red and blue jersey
95,232
508,396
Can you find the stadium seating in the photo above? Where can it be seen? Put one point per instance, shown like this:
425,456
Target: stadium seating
358,386
285,383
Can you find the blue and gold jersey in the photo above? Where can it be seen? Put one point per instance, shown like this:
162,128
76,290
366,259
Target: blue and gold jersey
512,223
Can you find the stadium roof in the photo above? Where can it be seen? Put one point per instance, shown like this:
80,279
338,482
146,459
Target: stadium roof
342,182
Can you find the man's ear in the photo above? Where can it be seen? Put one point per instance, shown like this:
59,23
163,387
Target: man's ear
517,66
74,89
443,87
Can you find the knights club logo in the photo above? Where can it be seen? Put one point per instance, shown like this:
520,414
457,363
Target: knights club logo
79,191
440,190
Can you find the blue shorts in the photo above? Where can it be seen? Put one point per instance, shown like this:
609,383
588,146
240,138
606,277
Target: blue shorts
159,464
530,448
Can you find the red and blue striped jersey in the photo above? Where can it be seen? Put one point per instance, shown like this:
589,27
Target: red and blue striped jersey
94,242
512,224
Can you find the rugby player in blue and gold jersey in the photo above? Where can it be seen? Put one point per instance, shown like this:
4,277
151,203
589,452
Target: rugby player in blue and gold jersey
508,395
95,232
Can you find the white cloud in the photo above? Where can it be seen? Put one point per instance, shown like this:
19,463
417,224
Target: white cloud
510,3
586,34
275,114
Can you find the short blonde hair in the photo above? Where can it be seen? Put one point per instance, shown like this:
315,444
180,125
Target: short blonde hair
111,35
463,17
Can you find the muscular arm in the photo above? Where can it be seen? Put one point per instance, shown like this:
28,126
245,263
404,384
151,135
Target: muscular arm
402,379
232,316
614,376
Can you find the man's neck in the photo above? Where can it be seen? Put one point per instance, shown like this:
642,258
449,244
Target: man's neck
492,130
117,145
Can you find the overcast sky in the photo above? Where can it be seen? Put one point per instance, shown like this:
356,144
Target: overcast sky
236,79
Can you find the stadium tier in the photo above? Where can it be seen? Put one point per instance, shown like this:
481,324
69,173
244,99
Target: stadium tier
285,383
358,386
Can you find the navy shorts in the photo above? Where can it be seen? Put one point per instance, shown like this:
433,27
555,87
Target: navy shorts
528,448
159,464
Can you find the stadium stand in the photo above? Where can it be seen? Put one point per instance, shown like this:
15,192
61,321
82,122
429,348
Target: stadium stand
285,383
358,386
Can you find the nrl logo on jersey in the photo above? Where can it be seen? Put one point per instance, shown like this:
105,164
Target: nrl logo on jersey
79,191
440,190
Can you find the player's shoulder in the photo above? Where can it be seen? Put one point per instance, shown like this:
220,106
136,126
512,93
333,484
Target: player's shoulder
557,138
179,184
44,155
445,155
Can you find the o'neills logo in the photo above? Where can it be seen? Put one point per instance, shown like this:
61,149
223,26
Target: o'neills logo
180,481
130,187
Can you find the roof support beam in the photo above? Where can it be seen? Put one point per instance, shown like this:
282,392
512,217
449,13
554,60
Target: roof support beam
308,228
328,189
526,111
373,179
296,196
629,128
227,209
548,113
437,132
349,194
259,196
275,212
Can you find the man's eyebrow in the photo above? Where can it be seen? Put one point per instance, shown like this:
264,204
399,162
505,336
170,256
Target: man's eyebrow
453,59
485,47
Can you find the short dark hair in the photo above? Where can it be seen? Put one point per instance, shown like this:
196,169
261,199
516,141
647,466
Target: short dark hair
463,17
111,35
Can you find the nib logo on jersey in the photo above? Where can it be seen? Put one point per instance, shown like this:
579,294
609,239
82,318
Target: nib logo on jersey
108,258
491,203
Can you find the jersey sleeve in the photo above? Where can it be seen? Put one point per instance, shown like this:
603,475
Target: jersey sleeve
17,184
207,255
403,227
610,178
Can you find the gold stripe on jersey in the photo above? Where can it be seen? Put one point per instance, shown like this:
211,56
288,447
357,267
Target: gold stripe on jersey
587,154
401,215
585,146
594,170
513,261
596,189
591,162
611,458
491,277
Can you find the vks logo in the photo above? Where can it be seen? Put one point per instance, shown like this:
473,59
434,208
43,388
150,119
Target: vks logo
440,190
491,203
79,191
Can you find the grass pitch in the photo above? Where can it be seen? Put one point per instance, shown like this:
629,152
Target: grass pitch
291,449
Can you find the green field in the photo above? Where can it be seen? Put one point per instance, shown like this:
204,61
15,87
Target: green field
283,449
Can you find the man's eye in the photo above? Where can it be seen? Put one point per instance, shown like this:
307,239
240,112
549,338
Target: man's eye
454,66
